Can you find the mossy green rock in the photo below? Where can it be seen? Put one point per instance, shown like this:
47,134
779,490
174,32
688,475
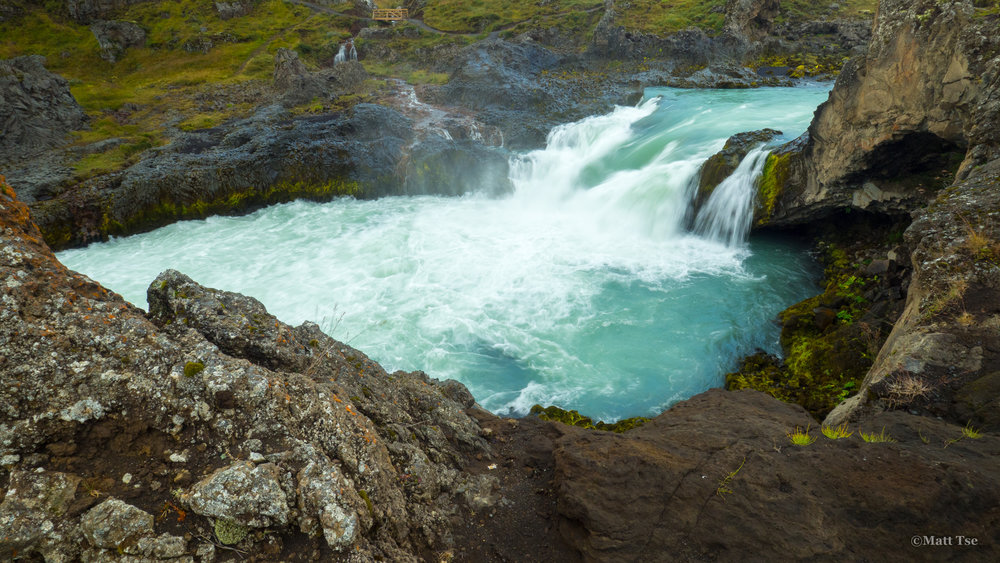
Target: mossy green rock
574,418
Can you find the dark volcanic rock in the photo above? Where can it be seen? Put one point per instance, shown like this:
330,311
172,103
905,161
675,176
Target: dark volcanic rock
721,165
38,109
115,36
901,117
270,157
86,11
694,485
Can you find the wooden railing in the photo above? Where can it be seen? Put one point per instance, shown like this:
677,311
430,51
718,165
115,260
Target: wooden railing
390,15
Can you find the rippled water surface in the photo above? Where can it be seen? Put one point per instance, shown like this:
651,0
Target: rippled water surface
581,289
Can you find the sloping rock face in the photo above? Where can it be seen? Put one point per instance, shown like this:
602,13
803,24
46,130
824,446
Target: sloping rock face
943,355
216,418
716,478
38,109
902,119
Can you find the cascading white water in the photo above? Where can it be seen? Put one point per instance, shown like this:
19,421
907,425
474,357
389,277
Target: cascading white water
727,214
582,289
347,52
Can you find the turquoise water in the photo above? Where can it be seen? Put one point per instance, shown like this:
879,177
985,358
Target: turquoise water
582,289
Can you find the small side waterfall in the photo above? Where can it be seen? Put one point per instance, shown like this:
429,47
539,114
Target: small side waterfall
347,52
727,214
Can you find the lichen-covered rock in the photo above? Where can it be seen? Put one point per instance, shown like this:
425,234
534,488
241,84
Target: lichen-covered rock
115,524
89,384
245,493
329,503
114,37
33,502
39,110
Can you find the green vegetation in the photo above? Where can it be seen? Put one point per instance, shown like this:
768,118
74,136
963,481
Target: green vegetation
229,532
574,418
968,432
192,369
873,438
476,16
195,71
836,432
724,488
828,348
774,176
799,437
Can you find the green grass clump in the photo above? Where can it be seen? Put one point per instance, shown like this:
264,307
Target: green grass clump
873,438
800,437
836,432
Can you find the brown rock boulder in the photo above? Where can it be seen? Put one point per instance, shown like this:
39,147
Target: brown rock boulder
694,485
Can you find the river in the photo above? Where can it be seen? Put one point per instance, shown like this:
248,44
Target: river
582,289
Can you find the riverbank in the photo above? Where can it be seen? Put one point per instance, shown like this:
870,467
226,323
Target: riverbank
209,428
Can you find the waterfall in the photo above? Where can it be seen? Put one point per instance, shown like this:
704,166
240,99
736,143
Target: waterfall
347,52
727,214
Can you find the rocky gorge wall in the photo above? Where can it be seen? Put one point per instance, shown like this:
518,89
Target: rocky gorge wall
208,426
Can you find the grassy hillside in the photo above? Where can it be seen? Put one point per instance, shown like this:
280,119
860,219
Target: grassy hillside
648,16
198,70
195,71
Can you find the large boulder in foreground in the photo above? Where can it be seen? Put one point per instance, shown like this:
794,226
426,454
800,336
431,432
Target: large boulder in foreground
38,109
717,477
212,415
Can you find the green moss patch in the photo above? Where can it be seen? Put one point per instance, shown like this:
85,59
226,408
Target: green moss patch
574,418
828,347
774,176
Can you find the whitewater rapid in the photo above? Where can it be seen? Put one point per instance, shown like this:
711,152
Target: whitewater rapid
584,288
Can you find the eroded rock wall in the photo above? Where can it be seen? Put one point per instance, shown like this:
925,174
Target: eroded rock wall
37,110
920,106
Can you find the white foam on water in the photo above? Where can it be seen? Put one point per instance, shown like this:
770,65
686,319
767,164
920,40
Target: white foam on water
582,289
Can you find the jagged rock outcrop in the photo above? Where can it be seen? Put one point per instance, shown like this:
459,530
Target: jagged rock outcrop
298,85
86,11
230,10
115,36
943,355
38,109
903,118
750,20
217,418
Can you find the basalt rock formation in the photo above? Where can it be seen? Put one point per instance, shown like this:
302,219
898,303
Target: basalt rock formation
38,109
920,106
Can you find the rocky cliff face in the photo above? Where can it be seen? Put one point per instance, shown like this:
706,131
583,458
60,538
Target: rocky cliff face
38,109
920,106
